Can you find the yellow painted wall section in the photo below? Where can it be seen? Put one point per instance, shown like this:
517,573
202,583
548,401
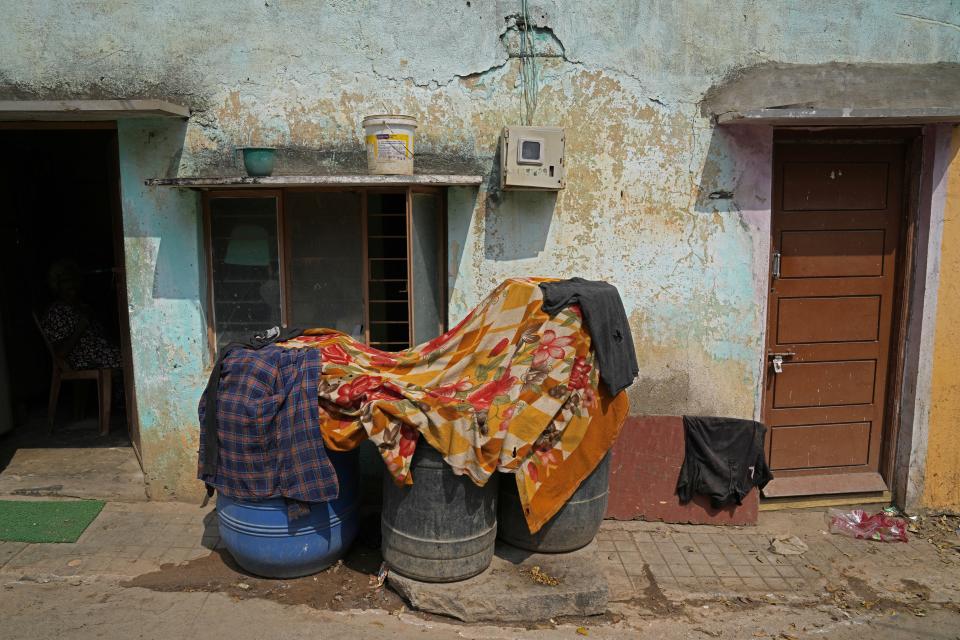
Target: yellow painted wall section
942,483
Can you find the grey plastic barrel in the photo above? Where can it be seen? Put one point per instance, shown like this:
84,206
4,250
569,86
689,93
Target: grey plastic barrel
443,527
573,527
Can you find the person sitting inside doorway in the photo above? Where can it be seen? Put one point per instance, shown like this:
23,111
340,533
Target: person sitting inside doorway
70,325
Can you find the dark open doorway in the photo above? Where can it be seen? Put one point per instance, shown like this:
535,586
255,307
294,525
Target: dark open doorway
61,256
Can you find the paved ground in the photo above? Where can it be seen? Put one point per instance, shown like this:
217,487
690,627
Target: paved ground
126,540
667,581
687,561
75,461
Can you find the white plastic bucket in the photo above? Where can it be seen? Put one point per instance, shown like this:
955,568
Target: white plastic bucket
389,140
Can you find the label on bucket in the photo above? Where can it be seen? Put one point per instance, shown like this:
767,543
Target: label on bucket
390,147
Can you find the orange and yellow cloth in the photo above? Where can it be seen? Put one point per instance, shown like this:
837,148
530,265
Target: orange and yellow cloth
509,389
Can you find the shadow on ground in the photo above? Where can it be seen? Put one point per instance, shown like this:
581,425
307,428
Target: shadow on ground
345,585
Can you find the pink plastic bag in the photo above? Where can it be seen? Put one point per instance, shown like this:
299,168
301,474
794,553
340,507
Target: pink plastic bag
858,524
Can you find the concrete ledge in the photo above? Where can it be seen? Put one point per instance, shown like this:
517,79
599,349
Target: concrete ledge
836,93
346,180
506,592
84,110
843,116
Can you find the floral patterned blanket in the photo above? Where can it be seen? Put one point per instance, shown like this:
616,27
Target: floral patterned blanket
508,389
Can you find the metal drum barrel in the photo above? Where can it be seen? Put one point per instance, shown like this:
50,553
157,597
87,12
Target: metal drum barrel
443,527
573,527
264,541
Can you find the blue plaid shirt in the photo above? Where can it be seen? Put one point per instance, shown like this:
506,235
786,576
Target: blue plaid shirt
268,423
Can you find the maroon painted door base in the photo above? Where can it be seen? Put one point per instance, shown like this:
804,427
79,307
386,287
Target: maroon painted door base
643,478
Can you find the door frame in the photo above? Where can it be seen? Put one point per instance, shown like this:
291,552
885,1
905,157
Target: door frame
119,257
904,281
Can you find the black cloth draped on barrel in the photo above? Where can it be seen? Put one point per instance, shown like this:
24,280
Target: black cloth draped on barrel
606,321
723,459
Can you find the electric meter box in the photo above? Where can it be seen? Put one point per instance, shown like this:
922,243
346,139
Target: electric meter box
532,158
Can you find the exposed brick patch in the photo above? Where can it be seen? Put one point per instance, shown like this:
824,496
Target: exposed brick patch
645,464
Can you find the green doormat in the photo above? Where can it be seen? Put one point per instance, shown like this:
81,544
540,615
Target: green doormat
48,521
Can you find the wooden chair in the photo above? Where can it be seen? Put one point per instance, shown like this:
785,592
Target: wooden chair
62,371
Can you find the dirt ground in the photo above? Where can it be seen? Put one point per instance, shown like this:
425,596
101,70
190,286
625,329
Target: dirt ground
82,609
942,530
847,608
348,584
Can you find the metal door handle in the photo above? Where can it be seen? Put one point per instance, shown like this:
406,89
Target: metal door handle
777,360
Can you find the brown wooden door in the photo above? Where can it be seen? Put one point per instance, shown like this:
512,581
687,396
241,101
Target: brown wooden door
837,215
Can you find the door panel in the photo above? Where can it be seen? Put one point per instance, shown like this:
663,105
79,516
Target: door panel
837,212
805,446
833,253
821,384
835,319
815,185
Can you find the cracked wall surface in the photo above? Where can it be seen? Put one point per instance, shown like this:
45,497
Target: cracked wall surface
624,78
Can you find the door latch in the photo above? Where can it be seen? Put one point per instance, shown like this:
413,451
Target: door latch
777,360
776,265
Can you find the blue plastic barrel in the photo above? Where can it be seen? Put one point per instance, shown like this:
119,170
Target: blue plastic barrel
265,542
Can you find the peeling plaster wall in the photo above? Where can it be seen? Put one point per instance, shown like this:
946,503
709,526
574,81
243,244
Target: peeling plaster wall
623,77
165,287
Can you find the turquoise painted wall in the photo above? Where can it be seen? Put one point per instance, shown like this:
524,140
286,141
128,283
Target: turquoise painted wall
624,78
165,287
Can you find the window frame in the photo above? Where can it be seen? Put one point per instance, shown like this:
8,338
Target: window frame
211,309
283,258
441,213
